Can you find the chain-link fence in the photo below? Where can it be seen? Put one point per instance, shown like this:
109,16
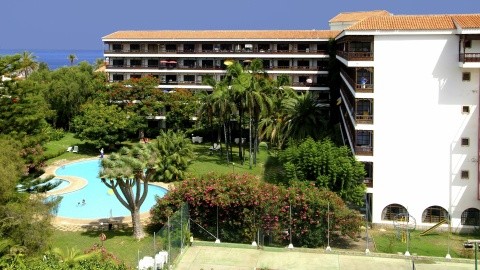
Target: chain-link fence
168,243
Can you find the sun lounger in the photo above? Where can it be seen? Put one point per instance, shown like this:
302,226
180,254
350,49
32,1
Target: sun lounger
69,149
214,148
75,149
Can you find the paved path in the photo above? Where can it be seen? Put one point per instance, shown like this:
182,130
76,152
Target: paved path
218,258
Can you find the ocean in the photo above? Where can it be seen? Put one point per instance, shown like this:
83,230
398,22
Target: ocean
58,58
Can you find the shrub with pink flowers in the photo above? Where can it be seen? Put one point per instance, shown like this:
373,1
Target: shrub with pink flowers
245,204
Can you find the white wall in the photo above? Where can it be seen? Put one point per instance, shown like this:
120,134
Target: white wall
418,102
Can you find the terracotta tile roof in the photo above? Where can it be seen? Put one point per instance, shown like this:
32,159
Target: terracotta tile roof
358,16
466,21
224,34
418,22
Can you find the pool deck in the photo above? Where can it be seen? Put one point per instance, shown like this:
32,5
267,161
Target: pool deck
77,183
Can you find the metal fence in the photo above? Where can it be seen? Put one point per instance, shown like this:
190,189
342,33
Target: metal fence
168,243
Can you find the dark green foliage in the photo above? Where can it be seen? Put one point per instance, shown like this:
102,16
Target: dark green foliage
104,125
327,165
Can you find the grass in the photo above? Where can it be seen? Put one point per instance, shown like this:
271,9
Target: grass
433,244
119,242
57,150
206,162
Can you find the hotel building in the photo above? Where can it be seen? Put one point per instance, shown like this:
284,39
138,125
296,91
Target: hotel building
408,97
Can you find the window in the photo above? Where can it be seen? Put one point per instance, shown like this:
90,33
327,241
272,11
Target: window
117,47
263,47
466,109
207,63
363,106
135,62
303,47
471,217
465,174
188,78
465,141
282,47
434,214
226,47
303,63
117,77
466,76
395,212
171,78
189,63
207,47
152,63
283,63
134,47
171,47
359,46
118,62
468,43
188,47
363,137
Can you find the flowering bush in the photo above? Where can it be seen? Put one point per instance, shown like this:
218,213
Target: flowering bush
245,204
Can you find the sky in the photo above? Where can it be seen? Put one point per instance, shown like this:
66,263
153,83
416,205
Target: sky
81,24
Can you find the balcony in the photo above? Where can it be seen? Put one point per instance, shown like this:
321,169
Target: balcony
356,56
368,181
198,67
364,150
359,87
469,57
239,51
364,119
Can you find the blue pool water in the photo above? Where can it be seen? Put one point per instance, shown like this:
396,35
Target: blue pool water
100,202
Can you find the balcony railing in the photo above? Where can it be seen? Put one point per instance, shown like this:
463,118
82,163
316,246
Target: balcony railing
216,51
364,150
469,57
198,67
356,56
364,119
368,181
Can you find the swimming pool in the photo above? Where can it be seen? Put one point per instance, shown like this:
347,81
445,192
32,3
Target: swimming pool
100,202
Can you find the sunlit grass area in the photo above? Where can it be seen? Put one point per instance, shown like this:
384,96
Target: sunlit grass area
436,244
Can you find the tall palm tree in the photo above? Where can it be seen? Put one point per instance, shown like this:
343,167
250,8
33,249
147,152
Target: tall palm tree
271,126
28,63
72,57
252,84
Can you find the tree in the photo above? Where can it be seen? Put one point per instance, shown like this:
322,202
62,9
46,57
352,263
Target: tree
71,58
305,117
129,171
104,125
67,89
25,219
272,126
326,165
28,63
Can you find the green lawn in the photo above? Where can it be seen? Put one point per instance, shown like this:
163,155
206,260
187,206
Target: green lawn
119,242
433,244
206,162
57,150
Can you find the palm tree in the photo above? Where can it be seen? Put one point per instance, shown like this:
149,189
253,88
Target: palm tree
164,159
271,126
252,84
28,64
72,57
306,117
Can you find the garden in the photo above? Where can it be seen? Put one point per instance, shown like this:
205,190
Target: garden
269,168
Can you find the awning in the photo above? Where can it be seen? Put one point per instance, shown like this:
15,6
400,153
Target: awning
164,61
172,62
